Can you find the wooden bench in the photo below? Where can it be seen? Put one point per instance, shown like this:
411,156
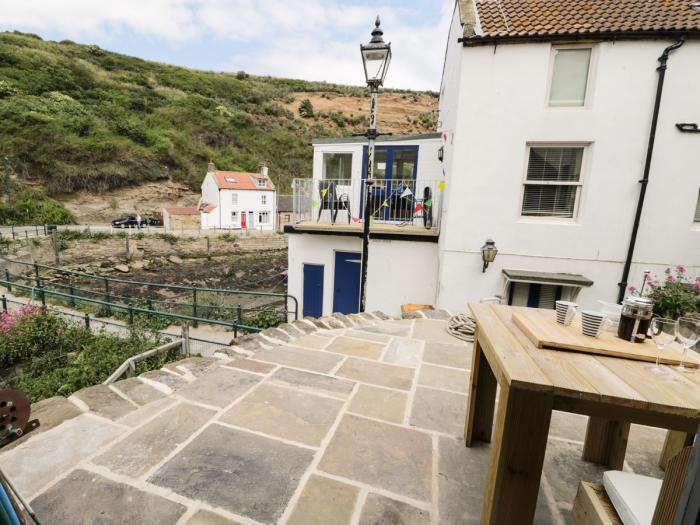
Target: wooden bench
592,505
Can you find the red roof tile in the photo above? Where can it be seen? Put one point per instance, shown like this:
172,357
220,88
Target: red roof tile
237,180
523,18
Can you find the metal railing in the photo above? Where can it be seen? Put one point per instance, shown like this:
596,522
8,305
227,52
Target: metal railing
197,303
401,202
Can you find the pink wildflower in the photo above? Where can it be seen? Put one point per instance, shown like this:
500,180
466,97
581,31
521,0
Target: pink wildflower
670,279
667,271
680,269
632,290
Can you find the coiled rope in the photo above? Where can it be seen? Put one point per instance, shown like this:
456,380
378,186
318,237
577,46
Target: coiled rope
461,326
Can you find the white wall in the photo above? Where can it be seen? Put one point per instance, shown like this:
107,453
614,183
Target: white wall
398,271
502,106
248,200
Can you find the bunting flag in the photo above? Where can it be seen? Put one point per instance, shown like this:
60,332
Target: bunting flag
355,219
441,185
406,193
371,220
314,203
323,193
419,207
429,202
385,204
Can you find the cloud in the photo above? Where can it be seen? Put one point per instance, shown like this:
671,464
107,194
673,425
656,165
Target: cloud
309,39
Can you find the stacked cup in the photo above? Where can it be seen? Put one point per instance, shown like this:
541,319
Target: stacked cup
592,322
565,312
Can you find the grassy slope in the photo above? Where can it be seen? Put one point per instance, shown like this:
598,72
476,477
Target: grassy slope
76,117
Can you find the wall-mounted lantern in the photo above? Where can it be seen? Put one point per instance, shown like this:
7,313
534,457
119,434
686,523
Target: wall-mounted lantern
488,253
441,153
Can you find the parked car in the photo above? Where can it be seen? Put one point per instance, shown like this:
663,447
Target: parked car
128,222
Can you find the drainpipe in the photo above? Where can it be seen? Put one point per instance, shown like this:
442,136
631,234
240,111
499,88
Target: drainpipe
663,59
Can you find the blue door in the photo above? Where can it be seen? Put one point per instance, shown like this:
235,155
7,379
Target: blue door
394,192
313,290
346,283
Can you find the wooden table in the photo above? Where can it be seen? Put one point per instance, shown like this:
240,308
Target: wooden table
614,392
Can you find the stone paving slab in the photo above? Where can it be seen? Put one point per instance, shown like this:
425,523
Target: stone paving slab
403,351
46,456
205,517
311,382
101,400
241,472
377,373
438,410
152,443
197,366
388,328
312,341
50,412
315,361
141,414
457,355
390,457
285,413
85,498
172,381
138,391
380,510
361,334
379,403
220,387
445,378
433,331
356,347
251,365
324,501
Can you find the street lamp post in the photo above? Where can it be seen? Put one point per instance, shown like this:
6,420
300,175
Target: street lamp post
375,58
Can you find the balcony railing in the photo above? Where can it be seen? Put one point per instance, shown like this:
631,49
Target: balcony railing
394,203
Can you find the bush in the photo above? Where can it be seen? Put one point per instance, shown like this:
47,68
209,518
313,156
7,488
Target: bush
675,296
306,109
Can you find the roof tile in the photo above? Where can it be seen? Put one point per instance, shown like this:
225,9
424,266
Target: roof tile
238,180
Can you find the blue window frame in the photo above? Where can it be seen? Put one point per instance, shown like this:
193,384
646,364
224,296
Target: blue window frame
395,171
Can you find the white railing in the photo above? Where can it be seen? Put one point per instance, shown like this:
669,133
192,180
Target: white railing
392,201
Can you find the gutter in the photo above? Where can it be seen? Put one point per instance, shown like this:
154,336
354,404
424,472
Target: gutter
663,60
475,41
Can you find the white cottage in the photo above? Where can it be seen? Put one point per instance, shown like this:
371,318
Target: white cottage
237,200
543,139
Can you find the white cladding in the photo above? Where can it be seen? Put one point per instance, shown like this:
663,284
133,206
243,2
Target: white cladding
498,106
232,204
398,272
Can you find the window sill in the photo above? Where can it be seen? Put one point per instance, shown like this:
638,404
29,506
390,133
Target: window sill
548,220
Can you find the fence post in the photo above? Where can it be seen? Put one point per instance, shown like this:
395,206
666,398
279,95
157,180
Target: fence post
36,275
26,234
87,321
45,232
131,314
7,278
43,298
107,298
208,247
185,339
36,230
194,305
71,290
4,303
13,232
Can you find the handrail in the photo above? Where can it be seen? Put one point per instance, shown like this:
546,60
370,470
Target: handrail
133,309
105,278
130,363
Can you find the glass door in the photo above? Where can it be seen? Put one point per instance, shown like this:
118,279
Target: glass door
393,194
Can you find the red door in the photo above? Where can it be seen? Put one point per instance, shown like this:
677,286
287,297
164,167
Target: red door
243,219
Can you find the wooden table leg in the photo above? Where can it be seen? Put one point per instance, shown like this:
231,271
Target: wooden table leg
517,455
482,398
675,442
606,442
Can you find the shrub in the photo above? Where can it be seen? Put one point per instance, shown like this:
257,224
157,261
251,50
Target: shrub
306,109
675,296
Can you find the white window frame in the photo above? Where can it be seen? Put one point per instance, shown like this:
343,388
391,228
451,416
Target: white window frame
263,199
335,152
592,66
265,214
234,198
585,160
235,217
262,183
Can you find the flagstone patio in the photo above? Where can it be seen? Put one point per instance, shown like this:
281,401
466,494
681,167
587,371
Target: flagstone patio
341,420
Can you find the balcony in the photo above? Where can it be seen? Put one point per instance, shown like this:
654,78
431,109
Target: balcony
398,207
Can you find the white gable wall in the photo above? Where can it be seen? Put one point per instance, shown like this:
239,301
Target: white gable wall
502,106
248,201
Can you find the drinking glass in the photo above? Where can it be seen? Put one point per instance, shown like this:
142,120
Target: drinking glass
663,332
688,335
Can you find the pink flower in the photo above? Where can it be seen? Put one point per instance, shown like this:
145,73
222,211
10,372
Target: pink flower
632,290
680,269
670,279
667,271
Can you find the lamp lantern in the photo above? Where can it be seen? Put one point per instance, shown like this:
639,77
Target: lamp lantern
376,57
488,253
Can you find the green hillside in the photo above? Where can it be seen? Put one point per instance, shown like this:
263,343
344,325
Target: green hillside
76,117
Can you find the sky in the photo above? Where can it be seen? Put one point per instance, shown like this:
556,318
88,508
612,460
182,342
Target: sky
307,39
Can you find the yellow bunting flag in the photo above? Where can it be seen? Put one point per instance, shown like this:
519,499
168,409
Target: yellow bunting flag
385,203
314,203
371,220
441,185
323,192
